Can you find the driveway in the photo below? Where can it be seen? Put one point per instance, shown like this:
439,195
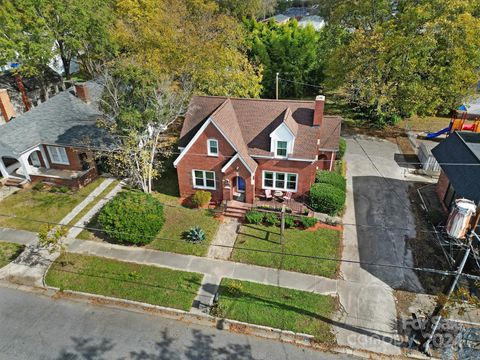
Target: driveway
39,327
379,223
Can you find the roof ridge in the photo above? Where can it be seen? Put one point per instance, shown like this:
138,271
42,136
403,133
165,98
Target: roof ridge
255,99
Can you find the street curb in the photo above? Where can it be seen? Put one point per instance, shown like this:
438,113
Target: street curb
266,332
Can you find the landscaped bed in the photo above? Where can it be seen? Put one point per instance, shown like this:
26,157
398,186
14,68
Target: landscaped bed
9,252
40,205
149,284
276,307
320,243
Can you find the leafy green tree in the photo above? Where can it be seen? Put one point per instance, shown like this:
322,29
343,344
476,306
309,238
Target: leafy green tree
422,60
248,8
289,50
34,31
187,38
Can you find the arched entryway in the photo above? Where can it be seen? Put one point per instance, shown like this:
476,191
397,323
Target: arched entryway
9,166
239,187
35,159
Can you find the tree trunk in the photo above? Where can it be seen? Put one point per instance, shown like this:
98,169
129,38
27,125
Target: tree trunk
65,60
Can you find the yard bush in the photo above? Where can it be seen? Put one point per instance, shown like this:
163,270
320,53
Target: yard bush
132,218
271,219
289,221
332,178
38,186
201,198
195,234
254,217
326,198
308,221
342,148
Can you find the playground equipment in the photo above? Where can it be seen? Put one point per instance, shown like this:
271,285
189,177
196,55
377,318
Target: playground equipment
457,123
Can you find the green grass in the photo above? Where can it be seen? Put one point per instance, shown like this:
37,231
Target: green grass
322,243
149,284
94,202
40,205
9,252
277,307
177,221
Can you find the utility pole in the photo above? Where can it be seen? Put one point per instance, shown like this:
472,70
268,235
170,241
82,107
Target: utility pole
276,86
282,224
451,289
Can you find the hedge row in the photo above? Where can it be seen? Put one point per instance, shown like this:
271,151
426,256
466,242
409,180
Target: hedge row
332,178
328,194
272,219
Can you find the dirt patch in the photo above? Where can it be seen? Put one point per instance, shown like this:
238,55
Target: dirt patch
426,250
320,225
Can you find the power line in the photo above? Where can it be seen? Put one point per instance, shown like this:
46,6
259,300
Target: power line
301,83
313,257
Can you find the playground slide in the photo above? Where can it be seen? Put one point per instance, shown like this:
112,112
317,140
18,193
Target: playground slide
438,133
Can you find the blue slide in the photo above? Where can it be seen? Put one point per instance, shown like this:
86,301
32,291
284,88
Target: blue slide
438,133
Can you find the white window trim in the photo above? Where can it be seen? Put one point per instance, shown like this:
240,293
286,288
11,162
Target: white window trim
276,150
58,149
274,180
195,186
208,147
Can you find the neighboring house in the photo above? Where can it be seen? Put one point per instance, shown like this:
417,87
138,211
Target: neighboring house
314,20
279,19
238,148
53,141
459,158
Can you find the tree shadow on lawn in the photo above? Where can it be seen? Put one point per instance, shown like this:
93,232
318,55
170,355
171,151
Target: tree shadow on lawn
201,347
360,330
264,238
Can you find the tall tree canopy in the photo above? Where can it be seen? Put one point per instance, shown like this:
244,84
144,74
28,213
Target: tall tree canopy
421,57
33,32
289,50
248,8
191,38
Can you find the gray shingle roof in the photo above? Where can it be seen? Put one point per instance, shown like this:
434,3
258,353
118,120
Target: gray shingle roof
463,149
64,119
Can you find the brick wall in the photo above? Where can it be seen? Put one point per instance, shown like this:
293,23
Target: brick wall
197,158
76,183
73,159
442,186
231,173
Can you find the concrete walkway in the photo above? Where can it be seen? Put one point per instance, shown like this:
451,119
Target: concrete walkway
212,267
30,267
226,236
21,237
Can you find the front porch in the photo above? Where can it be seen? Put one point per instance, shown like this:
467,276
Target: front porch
292,206
51,173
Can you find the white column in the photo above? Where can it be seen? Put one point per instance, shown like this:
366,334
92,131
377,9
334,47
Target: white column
23,160
3,169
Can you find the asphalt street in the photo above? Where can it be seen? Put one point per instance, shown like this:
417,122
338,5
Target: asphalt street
34,326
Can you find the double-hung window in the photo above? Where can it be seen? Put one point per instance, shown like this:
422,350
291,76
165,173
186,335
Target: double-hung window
58,155
203,179
281,149
280,181
212,147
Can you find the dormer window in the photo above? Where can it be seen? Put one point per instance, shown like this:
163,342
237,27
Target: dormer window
281,149
212,147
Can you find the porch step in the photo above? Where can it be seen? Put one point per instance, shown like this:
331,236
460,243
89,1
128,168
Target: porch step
235,212
14,182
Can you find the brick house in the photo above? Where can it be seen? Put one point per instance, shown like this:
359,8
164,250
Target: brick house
238,148
459,159
53,141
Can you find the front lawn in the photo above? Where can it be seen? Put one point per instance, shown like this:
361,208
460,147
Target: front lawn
149,284
180,219
281,308
30,204
9,252
321,243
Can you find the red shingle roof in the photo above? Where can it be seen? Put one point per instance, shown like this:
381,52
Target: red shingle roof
251,121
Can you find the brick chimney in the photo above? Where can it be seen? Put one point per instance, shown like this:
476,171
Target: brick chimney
81,90
6,107
318,112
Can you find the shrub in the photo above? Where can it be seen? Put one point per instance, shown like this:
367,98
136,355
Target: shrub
38,186
132,218
195,234
332,178
201,198
63,189
289,221
254,217
271,219
326,198
307,221
342,148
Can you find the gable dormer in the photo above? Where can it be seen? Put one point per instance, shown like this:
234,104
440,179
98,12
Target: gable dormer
282,139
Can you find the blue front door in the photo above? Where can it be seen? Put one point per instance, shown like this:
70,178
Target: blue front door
240,184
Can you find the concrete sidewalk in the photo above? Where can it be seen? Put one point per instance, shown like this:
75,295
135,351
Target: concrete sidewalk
21,237
206,266
30,267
